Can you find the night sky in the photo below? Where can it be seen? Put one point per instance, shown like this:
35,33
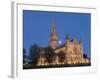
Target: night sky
37,27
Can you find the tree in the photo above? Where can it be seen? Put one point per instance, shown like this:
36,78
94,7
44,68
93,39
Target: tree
50,55
34,53
61,56
85,56
24,55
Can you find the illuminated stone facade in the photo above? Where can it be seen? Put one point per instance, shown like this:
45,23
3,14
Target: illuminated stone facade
53,37
72,49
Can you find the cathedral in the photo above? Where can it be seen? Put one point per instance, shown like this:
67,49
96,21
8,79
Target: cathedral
72,50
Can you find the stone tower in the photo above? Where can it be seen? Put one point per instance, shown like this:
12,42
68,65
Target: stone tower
81,47
67,50
67,42
53,36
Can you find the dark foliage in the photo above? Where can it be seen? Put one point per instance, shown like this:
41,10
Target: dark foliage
34,53
50,55
85,56
61,56
24,55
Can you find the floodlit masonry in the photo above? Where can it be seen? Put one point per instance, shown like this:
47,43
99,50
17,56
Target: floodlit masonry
72,50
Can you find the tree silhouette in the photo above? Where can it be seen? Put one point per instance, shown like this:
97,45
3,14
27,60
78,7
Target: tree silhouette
34,53
50,55
85,56
61,56
24,55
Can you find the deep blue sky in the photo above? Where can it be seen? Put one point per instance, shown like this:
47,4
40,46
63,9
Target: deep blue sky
37,27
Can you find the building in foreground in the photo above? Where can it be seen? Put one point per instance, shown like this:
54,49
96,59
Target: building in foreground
71,52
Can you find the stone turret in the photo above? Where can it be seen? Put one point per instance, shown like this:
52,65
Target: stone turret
81,46
67,42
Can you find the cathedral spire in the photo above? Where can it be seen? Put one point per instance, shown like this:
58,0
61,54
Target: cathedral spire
81,46
75,40
53,32
67,40
54,26
67,36
53,36
80,41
